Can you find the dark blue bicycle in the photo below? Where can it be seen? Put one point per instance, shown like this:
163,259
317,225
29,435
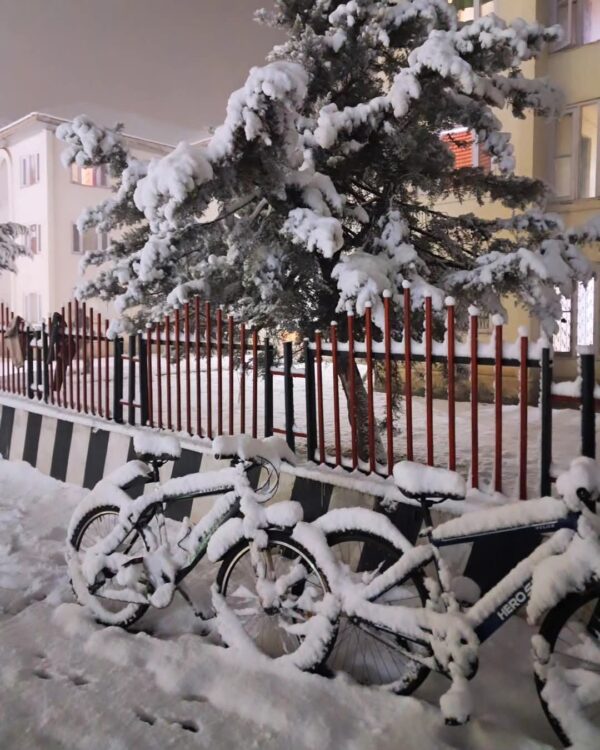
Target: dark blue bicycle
404,615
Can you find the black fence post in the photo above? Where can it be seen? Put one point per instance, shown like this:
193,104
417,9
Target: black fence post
39,377
46,363
588,413
311,401
118,379
546,422
268,389
288,386
143,360
29,338
131,381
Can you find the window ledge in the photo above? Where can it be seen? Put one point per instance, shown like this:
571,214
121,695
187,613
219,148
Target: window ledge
578,204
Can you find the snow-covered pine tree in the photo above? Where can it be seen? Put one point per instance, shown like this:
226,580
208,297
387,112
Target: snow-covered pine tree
329,175
12,246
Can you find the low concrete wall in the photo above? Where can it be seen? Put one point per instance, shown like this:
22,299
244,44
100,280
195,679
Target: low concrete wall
82,449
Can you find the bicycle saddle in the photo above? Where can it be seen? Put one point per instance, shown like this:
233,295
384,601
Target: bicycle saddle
150,447
428,483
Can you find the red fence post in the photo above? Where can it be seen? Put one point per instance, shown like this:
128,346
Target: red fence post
408,370
242,378
429,378
197,358
352,389
72,354
188,383
2,344
106,371
523,398
168,369
208,370
498,352
473,318
85,359
320,417
254,382
99,356
230,374
451,344
50,369
92,384
387,338
177,336
336,394
159,400
370,401
150,374
219,371
78,355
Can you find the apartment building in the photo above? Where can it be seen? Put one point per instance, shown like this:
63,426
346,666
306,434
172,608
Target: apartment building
564,153
37,191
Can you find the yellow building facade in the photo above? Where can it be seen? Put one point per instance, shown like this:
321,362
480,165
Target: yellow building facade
565,152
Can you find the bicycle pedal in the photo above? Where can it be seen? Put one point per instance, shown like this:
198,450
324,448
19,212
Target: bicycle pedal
452,722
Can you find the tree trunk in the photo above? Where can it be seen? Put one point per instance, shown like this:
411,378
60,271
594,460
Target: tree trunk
361,407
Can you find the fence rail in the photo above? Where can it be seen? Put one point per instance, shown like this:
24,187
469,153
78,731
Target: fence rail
201,372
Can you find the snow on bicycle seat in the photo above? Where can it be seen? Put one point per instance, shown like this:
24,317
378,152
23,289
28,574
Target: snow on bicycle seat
150,446
273,449
421,482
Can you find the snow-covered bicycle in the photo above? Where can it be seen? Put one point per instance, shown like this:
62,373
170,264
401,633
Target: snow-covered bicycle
124,555
403,614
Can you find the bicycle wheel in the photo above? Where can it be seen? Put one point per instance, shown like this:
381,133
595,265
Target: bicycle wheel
369,655
569,682
292,619
94,526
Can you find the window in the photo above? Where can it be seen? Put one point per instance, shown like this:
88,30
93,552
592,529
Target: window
32,304
577,322
33,240
483,323
89,176
576,153
465,149
580,20
88,241
30,170
469,10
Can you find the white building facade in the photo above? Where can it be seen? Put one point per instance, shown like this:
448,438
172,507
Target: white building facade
38,192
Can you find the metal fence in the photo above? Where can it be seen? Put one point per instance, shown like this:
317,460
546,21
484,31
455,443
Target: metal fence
201,372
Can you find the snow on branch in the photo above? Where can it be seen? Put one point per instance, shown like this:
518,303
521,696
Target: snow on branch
90,145
10,247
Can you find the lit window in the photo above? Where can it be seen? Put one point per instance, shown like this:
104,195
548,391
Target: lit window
30,170
465,149
88,241
33,239
89,176
469,10
577,321
32,305
580,20
576,153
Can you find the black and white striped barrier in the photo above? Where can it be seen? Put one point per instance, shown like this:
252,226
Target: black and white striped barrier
81,450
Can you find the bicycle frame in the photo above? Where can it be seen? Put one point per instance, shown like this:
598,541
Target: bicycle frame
493,609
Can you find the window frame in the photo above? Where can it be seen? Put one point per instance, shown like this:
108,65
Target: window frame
34,231
573,36
77,171
102,244
574,317
574,193
29,170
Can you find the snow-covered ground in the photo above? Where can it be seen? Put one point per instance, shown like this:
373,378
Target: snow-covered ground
65,682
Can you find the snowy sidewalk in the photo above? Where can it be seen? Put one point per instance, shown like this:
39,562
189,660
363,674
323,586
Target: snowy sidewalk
67,683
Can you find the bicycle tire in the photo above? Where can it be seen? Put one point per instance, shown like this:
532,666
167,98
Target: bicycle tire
130,613
237,589
369,656
553,632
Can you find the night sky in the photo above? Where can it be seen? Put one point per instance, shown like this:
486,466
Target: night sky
164,67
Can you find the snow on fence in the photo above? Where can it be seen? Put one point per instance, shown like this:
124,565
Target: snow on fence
200,372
